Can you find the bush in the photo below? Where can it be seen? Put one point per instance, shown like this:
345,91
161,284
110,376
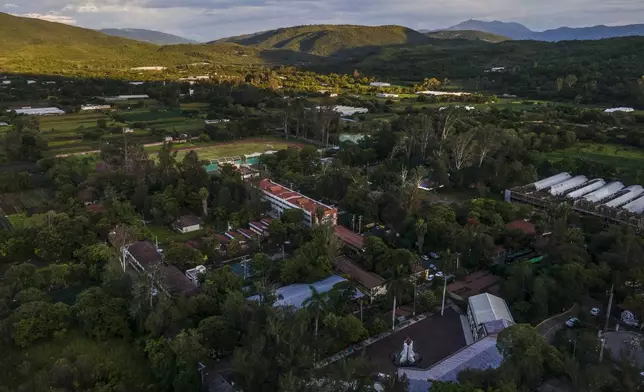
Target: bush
377,326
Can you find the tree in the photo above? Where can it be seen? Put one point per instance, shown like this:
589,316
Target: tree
38,320
487,142
397,286
571,80
204,194
317,304
463,149
421,231
101,316
182,256
528,358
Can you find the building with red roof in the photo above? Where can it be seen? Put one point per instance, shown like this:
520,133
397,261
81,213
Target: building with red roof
524,226
282,198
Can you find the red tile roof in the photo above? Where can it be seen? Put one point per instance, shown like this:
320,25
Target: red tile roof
526,227
293,197
357,273
349,237
475,283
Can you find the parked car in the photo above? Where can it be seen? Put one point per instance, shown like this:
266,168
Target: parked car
430,278
439,274
433,267
434,255
424,257
572,322
595,311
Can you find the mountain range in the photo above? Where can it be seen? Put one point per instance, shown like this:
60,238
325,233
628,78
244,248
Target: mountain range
517,31
151,36
326,40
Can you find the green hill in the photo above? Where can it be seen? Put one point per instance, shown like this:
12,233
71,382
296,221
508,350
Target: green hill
470,35
327,40
37,46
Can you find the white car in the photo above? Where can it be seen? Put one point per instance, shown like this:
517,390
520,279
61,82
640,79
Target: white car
595,311
424,257
439,274
430,278
572,322
433,267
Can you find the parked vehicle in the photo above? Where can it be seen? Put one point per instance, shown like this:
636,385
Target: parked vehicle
595,311
572,322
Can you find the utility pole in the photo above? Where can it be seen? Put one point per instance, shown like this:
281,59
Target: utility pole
444,292
601,349
360,309
414,311
360,224
393,315
610,305
353,222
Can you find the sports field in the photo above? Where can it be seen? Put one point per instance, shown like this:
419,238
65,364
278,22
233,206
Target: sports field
238,148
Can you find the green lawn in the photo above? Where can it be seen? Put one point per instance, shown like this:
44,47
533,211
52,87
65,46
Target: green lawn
166,235
232,149
611,154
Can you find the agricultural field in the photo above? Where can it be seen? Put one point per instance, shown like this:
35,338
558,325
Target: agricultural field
17,203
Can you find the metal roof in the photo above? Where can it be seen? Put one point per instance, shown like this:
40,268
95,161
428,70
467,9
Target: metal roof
297,294
604,192
487,307
631,193
567,185
550,181
480,355
591,186
636,206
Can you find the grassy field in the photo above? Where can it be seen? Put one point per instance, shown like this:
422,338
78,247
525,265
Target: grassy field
242,147
610,154
166,235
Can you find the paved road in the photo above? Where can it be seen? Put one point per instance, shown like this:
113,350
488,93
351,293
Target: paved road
618,344
549,328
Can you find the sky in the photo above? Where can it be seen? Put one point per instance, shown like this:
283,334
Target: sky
205,20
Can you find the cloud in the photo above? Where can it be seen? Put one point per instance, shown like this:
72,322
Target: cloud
51,17
9,5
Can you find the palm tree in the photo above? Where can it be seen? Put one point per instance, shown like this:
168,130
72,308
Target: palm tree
421,231
397,286
317,304
203,193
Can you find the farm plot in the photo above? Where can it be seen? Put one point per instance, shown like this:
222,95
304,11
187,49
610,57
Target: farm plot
70,122
15,203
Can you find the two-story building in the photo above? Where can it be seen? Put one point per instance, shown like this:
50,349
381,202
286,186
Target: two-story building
282,198
485,311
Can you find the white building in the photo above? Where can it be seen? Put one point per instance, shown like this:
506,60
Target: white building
128,130
95,107
3,124
187,224
349,110
282,198
218,121
153,68
127,97
620,109
137,83
386,95
6,82
379,84
194,274
31,82
39,111
495,69
486,308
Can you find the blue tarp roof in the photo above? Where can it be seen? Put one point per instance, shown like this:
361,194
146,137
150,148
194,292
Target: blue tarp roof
297,294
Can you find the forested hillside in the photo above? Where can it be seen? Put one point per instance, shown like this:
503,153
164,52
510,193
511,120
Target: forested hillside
37,46
330,39
470,35
151,36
